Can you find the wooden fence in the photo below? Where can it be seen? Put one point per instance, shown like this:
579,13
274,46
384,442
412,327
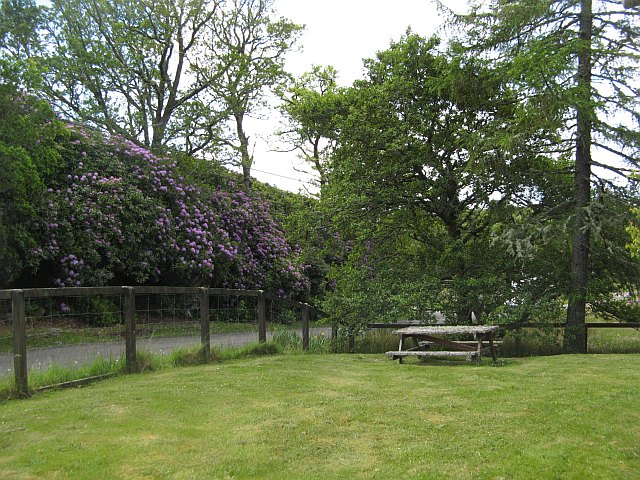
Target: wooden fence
128,295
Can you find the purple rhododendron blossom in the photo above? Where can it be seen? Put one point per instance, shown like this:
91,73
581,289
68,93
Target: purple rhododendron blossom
126,215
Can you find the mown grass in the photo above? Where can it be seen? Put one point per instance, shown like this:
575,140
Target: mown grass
337,416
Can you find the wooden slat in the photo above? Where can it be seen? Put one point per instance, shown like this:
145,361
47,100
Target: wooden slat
234,292
76,383
283,301
417,353
70,292
158,290
155,290
465,342
450,344
515,326
295,304
447,330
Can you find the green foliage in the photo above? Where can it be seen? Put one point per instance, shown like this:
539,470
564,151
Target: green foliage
572,67
29,154
310,106
634,233
83,208
20,21
308,228
375,341
288,341
452,173
133,68
105,312
420,183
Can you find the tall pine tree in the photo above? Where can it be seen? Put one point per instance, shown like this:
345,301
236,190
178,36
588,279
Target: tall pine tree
573,63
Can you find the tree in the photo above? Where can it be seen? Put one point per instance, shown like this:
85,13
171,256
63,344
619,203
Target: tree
420,176
253,45
29,154
134,68
19,24
572,64
309,107
19,20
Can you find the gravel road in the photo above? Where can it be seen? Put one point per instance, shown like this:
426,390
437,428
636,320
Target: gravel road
78,355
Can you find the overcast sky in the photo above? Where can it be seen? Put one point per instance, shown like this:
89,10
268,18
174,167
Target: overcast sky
339,33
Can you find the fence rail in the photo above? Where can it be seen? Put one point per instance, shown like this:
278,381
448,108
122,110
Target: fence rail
128,295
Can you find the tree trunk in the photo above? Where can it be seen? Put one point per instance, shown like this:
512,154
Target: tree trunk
574,335
245,159
158,127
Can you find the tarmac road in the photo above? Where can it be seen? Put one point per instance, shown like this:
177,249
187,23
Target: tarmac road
81,354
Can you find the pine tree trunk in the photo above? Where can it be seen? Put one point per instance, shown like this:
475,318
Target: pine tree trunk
575,335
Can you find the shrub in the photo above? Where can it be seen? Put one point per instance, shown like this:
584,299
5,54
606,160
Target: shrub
120,214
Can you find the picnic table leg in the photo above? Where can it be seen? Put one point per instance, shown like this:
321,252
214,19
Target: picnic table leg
400,347
492,347
479,350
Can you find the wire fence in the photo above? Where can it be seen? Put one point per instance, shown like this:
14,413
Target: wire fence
39,326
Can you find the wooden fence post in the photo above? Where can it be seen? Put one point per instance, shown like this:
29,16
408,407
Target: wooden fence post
19,342
205,338
262,318
586,334
129,313
305,327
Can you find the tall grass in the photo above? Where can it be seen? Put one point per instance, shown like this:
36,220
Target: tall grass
59,377
290,342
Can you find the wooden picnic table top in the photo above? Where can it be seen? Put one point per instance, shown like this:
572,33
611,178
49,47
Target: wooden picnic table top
447,329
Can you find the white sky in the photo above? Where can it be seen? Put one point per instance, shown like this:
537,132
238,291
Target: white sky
339,33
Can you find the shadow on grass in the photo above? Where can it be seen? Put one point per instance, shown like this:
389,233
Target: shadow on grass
447,362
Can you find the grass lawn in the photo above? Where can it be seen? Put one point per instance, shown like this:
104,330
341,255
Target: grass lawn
337,416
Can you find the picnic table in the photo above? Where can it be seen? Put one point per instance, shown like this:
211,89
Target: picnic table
428,336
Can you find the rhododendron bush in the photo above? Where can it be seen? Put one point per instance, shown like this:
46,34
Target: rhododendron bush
123,215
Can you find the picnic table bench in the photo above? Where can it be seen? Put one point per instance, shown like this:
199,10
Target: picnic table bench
424,337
